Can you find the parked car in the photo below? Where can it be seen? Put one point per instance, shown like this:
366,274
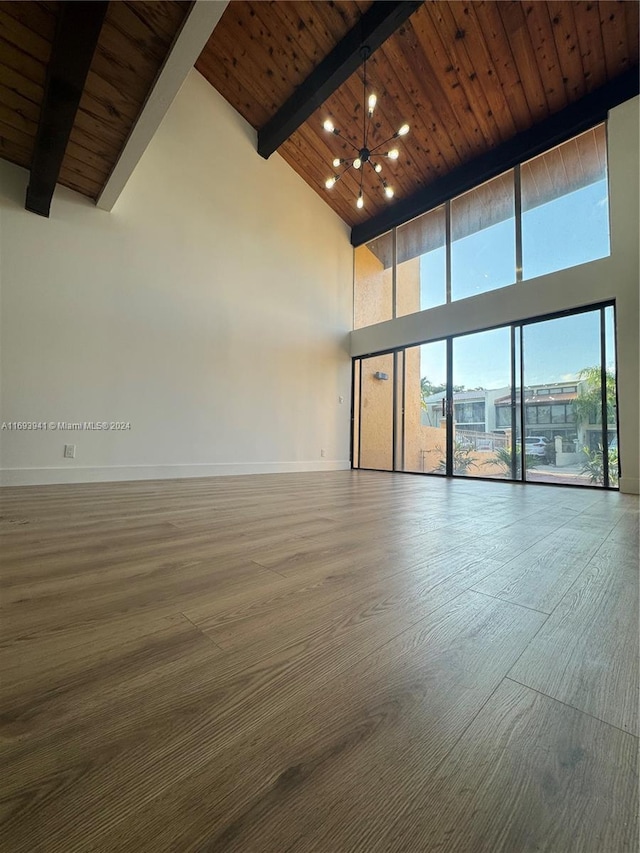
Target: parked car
536,445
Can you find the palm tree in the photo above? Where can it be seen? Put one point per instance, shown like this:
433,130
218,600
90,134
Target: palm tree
588,409
593,465
429,388
588,404
502,457
462,458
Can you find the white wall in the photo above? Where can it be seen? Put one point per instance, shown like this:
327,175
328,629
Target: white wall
615,277
211,309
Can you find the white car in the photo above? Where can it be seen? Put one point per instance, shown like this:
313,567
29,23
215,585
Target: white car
536,445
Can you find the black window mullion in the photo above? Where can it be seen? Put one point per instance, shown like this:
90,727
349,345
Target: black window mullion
394,404
449,408
353,410
523,456
447,253
404,401
360,416
603,383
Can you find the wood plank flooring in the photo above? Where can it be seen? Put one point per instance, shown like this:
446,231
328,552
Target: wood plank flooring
332,662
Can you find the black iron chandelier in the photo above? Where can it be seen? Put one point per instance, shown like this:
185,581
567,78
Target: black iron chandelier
365,156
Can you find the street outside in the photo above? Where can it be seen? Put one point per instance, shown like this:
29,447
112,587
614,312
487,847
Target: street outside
568,474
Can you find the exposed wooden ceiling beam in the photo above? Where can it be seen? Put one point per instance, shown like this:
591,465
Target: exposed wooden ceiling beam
373,29
77,33
572,120
187,47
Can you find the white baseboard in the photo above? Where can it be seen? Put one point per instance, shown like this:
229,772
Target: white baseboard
115,473
630,485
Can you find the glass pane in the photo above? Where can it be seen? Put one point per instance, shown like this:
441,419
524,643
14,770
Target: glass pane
503,416
425,434
483,235
376,412
558,355
543,414
483,405
421,272
612,401
373,282
565,205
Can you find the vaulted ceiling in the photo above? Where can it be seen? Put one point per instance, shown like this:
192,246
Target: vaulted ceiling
134,41
467,75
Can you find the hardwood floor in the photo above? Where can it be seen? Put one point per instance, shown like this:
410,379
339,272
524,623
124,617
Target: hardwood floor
335,662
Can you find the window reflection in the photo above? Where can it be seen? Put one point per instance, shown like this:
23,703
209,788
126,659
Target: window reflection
565,205
483,238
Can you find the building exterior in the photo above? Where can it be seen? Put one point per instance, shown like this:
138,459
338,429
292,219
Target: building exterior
482,416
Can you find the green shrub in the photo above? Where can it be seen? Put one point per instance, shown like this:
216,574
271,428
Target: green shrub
593,465
462,458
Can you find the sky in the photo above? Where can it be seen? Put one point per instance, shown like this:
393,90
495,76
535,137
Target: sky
567,231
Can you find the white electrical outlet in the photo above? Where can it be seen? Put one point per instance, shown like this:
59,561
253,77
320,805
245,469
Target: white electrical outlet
341,399
323,452
69,451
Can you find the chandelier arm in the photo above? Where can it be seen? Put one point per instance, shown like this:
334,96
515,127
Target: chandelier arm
366,136
342,174
350,166
346,139
386,142
378,174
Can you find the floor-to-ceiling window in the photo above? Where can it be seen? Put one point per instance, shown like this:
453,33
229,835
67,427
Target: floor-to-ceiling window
533,401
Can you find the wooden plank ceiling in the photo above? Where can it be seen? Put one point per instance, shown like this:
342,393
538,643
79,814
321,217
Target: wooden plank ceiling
134,42
466,76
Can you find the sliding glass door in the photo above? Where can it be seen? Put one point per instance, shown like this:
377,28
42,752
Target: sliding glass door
425,422
484,405
533,401
569,380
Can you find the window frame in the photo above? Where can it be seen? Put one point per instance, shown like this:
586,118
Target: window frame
518,277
